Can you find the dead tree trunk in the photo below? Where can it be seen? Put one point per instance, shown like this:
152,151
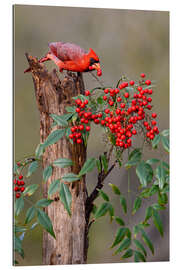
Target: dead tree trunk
52,96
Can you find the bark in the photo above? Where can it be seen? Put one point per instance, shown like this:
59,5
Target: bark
52,96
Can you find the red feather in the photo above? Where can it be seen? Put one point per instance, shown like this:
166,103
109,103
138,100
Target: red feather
69,56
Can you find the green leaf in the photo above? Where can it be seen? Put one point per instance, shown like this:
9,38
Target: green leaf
104,163
123,203
39,150
145,173
148,213
120,221
165,143
18,246
124,245
32,168
162,199
65,197
115,189
140,246
111,212
121,232
70,177
100,100
30,214
98,165
134,158
54,136
71,109
147,240
30,189
19,229
88,166
63,162
144,193
47,172
127,254
157,206
102,210
137,205
103,195
152,161
45,221
43,202
153,190
19,205
53,187
140,256
156,140
157,221
59,120
165,132
160,174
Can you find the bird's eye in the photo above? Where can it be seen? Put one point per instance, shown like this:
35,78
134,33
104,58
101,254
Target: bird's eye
92,61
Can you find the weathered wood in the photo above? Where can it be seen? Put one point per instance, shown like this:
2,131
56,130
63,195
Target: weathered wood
52,96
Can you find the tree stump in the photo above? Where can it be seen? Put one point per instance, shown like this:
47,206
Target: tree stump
52,96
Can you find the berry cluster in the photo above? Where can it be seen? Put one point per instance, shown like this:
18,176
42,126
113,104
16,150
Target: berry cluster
19,184
125,108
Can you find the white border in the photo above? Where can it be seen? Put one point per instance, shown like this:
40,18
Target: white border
6,125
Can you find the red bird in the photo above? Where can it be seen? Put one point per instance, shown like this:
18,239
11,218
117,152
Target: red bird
69,56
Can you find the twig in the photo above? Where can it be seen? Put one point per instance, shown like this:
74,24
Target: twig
101,177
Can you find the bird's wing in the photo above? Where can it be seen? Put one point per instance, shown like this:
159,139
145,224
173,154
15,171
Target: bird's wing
66,51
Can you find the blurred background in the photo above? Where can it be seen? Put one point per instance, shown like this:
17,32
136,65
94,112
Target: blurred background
128,42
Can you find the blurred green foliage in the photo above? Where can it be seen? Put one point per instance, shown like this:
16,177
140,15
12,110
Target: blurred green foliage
128,42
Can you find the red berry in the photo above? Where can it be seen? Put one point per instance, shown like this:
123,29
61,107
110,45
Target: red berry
106,91
149,99
100,115
119,99
71,136
18,164
96,121
79,141
139,88
81,127
107,111
105,97
153,123
22,189
22,183
154,115
87,93
151,136
86,101
134,132
88,128
73,129
16,188
126,95
18,195
150,91
148,82
102,122
116,91
78,101
78,110
145,124
20,176
14,181
131,82
143,75
122,105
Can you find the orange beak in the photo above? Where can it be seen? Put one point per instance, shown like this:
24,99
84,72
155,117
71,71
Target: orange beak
98,68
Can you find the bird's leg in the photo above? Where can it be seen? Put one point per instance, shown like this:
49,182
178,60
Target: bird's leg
56,60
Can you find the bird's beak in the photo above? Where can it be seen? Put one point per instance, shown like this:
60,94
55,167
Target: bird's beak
98,68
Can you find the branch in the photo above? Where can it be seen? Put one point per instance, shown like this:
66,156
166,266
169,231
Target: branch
101,177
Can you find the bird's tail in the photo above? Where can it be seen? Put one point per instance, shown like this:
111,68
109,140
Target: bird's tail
43,59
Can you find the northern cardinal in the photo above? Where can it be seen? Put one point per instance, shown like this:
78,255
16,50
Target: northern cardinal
69,56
